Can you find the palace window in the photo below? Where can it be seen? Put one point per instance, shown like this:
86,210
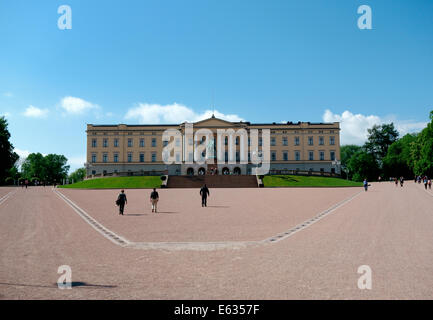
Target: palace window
273,143
104,157
129,156
296,141
332,154
297,156
105,143
93,143
153,156
141,157
142,143
153,142
273,156
285,156
116,142
310,141
116,157
322,155
321,141
93,157
311,155
285,141
332,141
129,143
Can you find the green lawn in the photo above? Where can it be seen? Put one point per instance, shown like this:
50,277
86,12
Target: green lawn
309,181
118,183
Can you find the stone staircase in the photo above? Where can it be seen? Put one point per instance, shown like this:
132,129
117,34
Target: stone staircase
217,181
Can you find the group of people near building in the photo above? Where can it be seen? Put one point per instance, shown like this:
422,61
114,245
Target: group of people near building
154,198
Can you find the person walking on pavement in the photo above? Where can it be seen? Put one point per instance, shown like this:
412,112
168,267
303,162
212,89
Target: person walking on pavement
121,201
365,183
204,192
154,197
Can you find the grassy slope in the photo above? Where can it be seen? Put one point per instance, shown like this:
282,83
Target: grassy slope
310,181
117,183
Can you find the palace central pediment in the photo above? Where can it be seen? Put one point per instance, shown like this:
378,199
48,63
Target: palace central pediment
215,123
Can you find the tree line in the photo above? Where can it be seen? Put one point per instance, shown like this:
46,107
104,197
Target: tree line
386,155
51,168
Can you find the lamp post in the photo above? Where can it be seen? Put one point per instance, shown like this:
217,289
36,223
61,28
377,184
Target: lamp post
346,171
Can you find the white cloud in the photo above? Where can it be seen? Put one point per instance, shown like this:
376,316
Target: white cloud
74,105
8,94
6,115
172,113
77,161
354,126
34,112
22,153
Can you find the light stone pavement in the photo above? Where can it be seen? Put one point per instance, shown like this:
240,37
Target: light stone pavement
387,228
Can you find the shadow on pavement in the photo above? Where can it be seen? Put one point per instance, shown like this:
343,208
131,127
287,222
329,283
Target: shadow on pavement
73,284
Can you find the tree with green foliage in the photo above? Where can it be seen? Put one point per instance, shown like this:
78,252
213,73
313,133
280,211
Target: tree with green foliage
363,165
49,168
14,174
56,167
346,152
7,155
78,175
398,160
379,140
34,166
422,151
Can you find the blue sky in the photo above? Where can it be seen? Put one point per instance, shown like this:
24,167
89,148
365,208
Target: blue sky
167,61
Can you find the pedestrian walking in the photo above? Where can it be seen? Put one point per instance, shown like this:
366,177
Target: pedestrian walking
401,181
429,184
396,182
26,183
204,192
365,183
154,198
425,182
121,201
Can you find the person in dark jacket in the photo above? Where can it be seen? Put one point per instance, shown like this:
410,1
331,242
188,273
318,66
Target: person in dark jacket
154,198
204,192
121,201
365,184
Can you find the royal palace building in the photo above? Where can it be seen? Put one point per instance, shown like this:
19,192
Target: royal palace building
138,149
